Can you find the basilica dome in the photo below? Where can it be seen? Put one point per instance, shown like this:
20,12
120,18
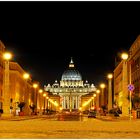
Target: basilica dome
71,73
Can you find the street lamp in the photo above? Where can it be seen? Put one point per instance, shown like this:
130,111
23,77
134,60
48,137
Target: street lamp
40,100
93,100
125,56
35,86
109,76
47,103
97,98
102,86
40,91
26,76
44,95
7,56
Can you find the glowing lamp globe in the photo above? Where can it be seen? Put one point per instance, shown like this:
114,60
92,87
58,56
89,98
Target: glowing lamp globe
7,56
124,56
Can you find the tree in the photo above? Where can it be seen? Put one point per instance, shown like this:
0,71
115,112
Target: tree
32,107
21,105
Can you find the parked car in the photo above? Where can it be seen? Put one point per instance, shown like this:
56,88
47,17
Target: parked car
92,114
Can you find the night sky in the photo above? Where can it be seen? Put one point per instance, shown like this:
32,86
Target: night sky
43,36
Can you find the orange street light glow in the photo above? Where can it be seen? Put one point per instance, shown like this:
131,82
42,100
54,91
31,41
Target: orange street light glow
110,76
7,56
97,91
35,85
94,95
102,85
26,76
40,91
124,56
44,95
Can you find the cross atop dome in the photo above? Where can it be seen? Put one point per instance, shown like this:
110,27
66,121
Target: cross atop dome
71,65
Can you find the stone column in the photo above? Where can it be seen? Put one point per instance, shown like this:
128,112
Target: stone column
125,105
6,94
64,102
76,102
79,101
68,102
102,96
97,100
73,102
109,94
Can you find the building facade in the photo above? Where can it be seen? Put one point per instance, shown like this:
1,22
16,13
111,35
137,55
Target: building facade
134,61
2,50
134,70
120,87
126,72
70,89
21,90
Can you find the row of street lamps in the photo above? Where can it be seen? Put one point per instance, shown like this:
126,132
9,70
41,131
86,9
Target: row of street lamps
124,57
102,86
7,56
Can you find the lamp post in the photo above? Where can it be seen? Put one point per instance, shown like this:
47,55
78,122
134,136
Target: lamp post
102,86
124,56
47,103
130,91
93,100
26,76
7,97
109,76
40,93
44,95
35,86
97,98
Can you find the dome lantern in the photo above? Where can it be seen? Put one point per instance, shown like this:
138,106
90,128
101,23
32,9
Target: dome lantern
71,65
71,74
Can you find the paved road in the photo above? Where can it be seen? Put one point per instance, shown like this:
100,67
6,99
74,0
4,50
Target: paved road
51,128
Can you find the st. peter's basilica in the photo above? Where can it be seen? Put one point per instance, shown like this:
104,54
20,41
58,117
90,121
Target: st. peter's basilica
71,88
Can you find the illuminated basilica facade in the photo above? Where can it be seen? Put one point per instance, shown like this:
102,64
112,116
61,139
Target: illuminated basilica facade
71,88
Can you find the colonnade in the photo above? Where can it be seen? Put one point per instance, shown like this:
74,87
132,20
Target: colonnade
73,101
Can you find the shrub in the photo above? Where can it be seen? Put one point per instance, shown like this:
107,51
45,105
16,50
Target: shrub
21,105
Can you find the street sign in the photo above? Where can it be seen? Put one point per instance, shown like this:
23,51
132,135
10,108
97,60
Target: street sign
130,87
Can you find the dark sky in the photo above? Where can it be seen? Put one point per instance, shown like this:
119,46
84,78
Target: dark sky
44,35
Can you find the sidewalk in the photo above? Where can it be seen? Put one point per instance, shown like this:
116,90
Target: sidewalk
18,118
113,118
